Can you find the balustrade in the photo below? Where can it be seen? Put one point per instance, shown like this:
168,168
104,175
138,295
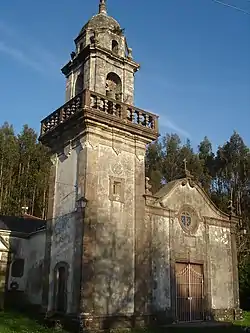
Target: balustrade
93,101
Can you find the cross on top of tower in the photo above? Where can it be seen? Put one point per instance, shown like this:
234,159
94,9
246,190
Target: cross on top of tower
102,7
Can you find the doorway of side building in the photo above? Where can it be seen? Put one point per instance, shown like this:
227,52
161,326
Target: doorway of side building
61,278
189,292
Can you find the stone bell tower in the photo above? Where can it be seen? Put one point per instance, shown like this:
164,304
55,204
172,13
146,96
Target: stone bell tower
96,231
102,61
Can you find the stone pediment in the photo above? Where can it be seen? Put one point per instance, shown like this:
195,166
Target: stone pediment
185,191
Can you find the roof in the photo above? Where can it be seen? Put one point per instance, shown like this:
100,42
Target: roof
166,188
26,224
101,21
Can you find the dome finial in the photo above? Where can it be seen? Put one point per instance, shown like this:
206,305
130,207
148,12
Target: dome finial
102,7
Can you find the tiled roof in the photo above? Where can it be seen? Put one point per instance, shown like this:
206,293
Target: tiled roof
26,224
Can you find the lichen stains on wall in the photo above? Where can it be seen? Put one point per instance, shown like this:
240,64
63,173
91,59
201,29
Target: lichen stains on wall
161,263
34,267
62,250
20,250
114,220
220,255
209,244
64,219
31,249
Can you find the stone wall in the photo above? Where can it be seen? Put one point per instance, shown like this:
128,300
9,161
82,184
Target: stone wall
34,267
112,159
102,61
63,223
161,299
220,255
209,244
20,250
31,249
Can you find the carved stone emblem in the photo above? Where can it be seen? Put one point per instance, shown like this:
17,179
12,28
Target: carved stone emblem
117,169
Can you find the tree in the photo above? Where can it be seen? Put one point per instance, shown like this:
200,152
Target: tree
154,167
24,170
206,157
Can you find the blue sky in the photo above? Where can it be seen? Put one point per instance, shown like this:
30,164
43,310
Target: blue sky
194,56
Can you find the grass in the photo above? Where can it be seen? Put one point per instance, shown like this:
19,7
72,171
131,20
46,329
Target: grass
245,322
13,322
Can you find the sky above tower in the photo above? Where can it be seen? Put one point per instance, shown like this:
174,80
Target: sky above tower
194,56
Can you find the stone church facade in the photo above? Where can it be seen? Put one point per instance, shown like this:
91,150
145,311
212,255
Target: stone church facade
116,255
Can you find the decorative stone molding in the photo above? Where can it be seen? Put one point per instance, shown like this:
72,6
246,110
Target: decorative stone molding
117,169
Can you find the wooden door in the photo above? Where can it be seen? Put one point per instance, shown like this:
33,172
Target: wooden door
189,292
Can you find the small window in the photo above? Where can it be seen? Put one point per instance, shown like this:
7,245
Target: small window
114,46
186,219
80,47
17,268
116,189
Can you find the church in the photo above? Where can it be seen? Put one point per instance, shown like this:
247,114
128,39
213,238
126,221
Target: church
111,253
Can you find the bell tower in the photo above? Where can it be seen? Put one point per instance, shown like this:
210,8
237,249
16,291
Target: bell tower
96,230
102,61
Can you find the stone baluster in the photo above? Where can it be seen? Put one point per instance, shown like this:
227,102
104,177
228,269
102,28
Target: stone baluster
114,109
98,103
140,117
105,105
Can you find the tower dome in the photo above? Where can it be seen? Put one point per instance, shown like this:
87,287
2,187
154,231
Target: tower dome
101,20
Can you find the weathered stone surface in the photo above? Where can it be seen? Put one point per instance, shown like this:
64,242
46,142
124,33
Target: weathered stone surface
209,242
30,248
101,59
121,248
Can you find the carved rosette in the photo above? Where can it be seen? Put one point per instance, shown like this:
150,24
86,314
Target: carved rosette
189,219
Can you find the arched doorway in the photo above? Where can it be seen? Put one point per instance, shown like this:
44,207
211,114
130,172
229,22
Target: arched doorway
114,86
61,279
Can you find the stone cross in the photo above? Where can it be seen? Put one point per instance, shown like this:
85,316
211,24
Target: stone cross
102,7
185,165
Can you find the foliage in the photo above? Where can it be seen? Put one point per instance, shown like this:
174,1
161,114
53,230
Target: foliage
24,171
11,322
